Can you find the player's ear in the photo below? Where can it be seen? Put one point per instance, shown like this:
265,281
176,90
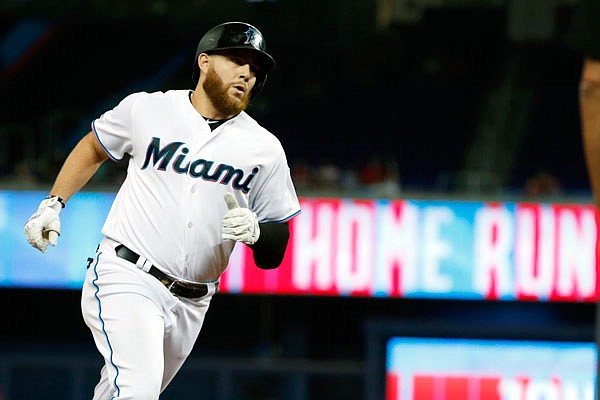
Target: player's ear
203,62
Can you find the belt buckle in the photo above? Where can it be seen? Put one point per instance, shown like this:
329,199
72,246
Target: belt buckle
168,283
194,287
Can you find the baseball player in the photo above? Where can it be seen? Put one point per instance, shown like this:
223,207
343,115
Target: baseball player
584,37
202,175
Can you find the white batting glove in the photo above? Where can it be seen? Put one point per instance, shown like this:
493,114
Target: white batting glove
239,224
43,227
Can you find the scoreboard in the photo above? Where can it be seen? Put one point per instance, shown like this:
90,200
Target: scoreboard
485,369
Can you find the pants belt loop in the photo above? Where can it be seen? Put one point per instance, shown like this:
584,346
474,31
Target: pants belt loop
212,288
143,264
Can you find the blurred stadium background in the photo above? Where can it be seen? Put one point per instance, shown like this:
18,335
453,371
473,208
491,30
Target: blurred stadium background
374,100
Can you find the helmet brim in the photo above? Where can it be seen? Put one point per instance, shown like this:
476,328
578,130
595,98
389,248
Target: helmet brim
266,62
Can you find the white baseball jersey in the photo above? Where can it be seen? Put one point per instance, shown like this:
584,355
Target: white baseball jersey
170,206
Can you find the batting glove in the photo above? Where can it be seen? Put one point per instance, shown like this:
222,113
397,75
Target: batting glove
43,227
239,224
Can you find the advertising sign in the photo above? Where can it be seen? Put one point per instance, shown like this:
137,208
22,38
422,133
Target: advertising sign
356,247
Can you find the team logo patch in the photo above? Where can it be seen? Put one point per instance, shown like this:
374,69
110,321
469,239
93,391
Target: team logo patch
252,37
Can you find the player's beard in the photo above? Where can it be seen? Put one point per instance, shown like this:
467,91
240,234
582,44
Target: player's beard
218,94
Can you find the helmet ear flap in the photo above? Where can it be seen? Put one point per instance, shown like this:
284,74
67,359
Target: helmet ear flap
196,70
258,86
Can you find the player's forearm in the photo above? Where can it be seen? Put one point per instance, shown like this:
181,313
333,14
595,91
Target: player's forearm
79,167
589,99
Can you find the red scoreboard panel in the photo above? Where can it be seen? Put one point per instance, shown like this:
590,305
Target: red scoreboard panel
447,387
474,369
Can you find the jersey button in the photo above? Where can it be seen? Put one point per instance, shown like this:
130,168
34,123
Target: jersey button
190,224
193,189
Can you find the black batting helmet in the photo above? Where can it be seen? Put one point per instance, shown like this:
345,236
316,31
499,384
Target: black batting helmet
236,35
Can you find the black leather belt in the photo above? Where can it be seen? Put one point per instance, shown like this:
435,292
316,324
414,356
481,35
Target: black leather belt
188,290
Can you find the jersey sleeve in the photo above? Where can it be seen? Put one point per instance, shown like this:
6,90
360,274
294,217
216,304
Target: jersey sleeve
275,198
114,128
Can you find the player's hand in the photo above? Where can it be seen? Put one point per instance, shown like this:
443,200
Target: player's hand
239,224
43,227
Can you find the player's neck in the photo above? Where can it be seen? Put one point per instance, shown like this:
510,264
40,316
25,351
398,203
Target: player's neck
204,106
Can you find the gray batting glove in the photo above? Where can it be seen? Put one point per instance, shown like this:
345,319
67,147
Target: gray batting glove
239,224
43,227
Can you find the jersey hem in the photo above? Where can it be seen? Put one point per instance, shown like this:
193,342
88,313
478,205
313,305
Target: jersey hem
290,217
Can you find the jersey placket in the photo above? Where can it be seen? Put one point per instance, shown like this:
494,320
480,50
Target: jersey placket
191,195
